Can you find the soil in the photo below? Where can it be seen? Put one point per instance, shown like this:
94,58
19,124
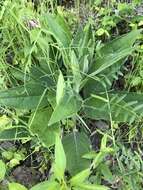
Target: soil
26,176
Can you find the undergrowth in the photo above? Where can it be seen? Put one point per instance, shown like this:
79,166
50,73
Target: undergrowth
71,94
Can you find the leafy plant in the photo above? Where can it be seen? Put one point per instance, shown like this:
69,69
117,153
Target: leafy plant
98,102
64,77
58,180
108,58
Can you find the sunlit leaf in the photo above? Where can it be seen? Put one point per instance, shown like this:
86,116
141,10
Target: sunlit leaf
60,88
52,185
16,186
80,177
69,105
2,170
60,159
38,124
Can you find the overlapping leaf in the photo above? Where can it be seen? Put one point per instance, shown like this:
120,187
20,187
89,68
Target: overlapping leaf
75,146
68,106
24,97
123,107
110,60
59,30
39,126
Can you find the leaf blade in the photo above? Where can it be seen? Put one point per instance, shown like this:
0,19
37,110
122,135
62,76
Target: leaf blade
2,170
75,146
60,159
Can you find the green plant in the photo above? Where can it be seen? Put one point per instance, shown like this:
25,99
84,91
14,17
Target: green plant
89,70
58,180
56,81
80,72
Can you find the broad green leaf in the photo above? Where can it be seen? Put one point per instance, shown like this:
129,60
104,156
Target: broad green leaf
105,62
51,185
38,124
116,50
68,107
42,74
37,74
60,159
14,133
16,186
62,22
75,146
92,187
121,43
120,103
111,58
58,31
2,170
24,97
106,68
60,88
80,177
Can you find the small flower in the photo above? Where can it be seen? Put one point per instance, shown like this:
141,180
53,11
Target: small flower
33,24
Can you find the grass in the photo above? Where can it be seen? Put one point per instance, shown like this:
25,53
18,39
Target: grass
71,95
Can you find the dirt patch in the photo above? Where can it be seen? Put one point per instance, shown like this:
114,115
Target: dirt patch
26,176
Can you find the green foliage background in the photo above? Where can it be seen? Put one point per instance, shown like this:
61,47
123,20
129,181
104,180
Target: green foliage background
61,66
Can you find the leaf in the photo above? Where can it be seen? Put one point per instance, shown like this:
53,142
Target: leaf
83,39
99,158
92,187
106,172
2,170
107,61
68,106
111,58
16,186
62,22
120,103
75,146
75,71
91,155
60,159
14,133
23,97
51,185
37,74
121,43
38,124
58,31
116,49
80,177
4,122
60,88
103,142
